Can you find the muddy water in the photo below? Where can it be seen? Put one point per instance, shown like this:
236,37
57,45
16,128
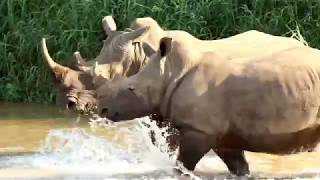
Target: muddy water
42,142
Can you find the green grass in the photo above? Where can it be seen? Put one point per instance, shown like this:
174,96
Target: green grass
76,25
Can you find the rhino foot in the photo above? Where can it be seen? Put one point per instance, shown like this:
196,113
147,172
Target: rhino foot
235,161
193,146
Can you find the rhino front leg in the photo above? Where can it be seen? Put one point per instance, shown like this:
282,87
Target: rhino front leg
193,146
235,161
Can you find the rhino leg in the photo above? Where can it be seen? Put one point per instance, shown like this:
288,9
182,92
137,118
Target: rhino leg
235,161
193,146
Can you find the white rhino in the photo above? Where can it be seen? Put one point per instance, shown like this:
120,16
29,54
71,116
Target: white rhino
122,55
265,104
119,56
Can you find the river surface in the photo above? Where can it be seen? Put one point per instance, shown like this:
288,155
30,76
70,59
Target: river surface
43,142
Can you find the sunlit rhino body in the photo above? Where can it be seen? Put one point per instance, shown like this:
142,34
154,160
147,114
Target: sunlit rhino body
268,104
122,55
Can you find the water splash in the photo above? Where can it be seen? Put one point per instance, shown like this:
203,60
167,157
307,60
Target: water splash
138,140
125,151
76,150
144,145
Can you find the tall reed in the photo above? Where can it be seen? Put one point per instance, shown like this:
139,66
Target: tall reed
76,25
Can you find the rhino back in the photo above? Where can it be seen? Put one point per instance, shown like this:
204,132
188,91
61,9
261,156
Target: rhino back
277,94
271,95
247,45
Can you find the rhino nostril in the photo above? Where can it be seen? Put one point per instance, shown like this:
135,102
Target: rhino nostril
71,105
104,112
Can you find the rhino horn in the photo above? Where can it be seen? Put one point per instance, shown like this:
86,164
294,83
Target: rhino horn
77,59
130,36
109,25
93,69
78,63
58,69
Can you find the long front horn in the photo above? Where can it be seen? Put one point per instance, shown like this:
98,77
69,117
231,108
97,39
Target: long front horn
46,54
134,34
57,68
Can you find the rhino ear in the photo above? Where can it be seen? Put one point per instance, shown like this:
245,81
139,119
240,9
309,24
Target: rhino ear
109,25
134,36
137,35
165,46
148,49
128,29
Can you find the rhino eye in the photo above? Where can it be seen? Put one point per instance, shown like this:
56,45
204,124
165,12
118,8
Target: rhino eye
131,88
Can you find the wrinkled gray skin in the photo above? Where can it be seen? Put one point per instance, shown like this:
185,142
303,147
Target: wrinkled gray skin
222,105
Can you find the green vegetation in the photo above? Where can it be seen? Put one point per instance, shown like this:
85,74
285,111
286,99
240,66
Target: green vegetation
76,25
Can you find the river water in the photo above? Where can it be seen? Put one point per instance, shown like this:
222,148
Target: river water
43,142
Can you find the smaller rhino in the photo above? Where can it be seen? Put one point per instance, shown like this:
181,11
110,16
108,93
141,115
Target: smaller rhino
268,104
76,85
76,90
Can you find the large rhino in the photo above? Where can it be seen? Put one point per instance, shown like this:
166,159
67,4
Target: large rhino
122,55
267,104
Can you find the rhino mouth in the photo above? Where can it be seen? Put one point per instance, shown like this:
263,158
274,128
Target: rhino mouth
77,106
81,101
89,108
115,117
71,103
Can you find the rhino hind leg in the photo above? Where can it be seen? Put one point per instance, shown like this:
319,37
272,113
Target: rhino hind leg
193,146
235,161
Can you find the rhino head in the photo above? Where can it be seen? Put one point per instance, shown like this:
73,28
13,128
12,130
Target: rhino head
121,55
75,88
139,95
